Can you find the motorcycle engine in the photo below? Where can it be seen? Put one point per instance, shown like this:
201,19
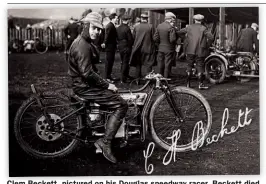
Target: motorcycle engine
95,118
134,101
242,60
135,98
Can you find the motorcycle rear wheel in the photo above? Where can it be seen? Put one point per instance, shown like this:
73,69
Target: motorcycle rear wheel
251,70
194,109
30,128
215,70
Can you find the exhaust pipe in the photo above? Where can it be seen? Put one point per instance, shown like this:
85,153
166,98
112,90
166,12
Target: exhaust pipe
97,134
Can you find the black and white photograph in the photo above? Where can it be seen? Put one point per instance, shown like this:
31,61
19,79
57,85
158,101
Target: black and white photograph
126,90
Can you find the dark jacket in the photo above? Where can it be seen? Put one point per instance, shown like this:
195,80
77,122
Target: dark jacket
197,40
143,42
110,37
72,30
124,37
82,56
245,40
166,37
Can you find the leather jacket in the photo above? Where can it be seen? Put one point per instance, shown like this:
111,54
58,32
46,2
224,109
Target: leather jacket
82,56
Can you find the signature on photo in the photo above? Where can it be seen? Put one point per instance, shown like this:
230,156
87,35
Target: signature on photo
197,131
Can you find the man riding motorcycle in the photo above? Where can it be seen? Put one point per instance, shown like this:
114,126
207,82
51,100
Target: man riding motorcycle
89,85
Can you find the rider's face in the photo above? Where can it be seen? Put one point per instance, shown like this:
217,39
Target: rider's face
94,32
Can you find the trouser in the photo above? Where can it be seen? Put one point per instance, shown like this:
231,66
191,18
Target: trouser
143,59
191,59
107,101
109,62
165,60
125,57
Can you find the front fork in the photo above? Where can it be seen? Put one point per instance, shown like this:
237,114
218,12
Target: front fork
170,99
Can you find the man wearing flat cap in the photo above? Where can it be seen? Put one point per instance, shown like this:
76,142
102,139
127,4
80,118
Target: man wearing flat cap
110,45
143,51
196,48
246,38
166,37
125,42
90,86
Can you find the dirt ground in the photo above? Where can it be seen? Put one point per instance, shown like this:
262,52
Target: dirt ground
234,154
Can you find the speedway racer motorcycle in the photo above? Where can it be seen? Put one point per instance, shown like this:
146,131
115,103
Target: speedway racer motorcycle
220,64
51,124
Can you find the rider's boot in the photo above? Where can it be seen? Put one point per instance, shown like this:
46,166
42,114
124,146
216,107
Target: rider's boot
113,124
188,79
201,79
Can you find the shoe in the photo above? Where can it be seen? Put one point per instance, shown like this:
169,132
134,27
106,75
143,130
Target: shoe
202,86
103,146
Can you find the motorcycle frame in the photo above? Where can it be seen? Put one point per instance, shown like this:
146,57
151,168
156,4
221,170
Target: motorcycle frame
226,63
83,105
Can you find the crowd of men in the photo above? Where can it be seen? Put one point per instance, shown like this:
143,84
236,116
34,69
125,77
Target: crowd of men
148,46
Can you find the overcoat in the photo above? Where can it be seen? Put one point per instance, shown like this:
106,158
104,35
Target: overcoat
198,40
143,43
245,40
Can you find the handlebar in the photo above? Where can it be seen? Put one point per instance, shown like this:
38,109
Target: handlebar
155,76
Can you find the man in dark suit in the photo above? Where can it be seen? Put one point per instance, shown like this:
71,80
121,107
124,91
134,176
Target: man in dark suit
246,38
109,44
143,51
125,42
71,32
196,47
166,37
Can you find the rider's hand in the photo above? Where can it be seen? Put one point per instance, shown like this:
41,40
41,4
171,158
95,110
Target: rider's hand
103,45
112,87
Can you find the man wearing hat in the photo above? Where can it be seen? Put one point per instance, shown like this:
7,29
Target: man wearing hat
166,37
125,42
109,45
87,84
143,51
196,47
246,38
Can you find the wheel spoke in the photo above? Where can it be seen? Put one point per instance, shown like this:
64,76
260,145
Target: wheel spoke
37,139
193,110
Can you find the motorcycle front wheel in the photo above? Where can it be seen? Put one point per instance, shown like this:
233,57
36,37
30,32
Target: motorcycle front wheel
32,132
164,124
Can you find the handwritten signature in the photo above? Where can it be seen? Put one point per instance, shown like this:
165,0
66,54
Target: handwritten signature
198,138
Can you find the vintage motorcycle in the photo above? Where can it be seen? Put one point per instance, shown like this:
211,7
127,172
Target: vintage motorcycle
51,125
220,64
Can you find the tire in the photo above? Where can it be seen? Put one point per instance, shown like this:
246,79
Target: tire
212,71
40,47
43,141
178,92
251,66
